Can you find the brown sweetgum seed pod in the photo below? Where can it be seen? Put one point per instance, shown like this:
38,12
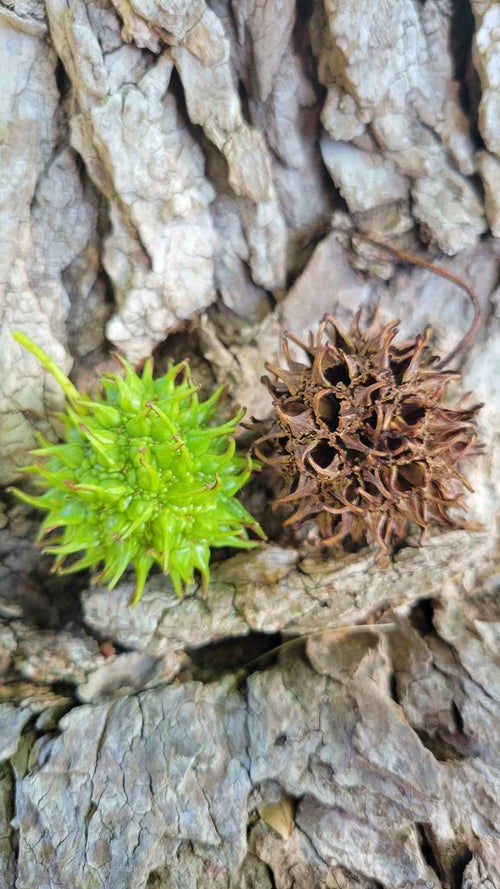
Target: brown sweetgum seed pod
362,437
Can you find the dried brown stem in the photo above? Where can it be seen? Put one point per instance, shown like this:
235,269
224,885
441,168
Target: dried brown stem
404,256
339,630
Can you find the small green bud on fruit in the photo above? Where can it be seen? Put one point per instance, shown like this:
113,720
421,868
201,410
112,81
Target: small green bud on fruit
140,478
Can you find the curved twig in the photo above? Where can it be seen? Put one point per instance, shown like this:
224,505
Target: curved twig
338,629
424,263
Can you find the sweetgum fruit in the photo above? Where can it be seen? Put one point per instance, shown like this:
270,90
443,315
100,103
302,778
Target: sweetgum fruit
363,438
141,478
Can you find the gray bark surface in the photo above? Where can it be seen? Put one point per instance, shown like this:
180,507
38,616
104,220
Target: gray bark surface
191,176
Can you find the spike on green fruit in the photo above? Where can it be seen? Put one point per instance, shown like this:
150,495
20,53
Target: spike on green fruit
140,478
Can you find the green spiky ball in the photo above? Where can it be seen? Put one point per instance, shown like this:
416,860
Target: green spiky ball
140,478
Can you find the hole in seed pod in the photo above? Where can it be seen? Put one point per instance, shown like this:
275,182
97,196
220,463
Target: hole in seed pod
351,493
393,443
352,456
410,476
412,412
400,367
402,485
328,409
293,408
337,374
297,417
366,439
323,454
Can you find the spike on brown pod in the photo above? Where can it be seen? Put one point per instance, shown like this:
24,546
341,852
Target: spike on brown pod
362,437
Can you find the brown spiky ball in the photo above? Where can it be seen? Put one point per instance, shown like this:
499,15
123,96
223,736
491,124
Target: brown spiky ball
362,438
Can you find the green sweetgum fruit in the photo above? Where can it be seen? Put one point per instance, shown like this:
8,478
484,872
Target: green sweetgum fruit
140,478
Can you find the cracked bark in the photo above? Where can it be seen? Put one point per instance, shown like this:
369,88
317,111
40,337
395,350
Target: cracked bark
186,177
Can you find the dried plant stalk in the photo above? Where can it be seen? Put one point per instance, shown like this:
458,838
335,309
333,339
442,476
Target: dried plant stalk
362,438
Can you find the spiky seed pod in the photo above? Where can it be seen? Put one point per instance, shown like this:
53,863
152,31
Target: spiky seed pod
362,437
140,478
